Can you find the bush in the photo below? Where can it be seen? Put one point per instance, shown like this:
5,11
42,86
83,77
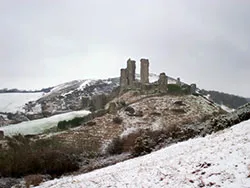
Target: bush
63,125
142,145
117,120
24,157
130,109
77,121
174,89
115,147
138,143
34,180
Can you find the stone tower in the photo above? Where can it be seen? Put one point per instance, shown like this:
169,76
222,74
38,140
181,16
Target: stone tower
178,82
124,78
144,71
131,71
163,82
193,88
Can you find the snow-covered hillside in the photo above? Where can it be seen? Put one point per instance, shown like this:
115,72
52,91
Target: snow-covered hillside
13,102
62,98
40,125
218,160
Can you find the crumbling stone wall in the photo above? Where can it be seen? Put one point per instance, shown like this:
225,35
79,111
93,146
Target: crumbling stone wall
144,71
98,102
163,82
193,88
178,82
124,78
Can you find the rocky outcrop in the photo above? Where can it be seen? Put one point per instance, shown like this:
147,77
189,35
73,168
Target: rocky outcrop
112,109
144,71
98,102
17,117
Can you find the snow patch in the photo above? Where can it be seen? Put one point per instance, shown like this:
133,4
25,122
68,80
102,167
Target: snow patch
218,160
40,125
68,93
128,131
84,84
227,109
13,102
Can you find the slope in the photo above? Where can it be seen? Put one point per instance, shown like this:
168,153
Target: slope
218,160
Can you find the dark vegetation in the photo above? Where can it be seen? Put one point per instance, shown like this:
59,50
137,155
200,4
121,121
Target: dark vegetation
143,141
117,120
23,156
78,121
14,90
146,141
229,100
175,89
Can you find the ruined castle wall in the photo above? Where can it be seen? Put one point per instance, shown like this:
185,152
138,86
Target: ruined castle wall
131,71
163,82
144,71
124,78
178,82
193,88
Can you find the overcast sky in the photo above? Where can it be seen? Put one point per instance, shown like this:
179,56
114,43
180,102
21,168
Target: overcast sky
45,43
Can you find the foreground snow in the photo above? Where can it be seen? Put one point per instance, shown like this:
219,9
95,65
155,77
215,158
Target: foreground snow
218,160
40,125
13,102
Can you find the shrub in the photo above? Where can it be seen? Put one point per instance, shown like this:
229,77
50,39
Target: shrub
117,120
63,125
34,180
174,89
142,145
115,147
138,143
130,109
23,157
77,121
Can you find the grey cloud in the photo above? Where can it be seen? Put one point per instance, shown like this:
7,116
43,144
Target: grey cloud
201,41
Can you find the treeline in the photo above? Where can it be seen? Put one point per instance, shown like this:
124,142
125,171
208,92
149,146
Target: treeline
229,100
6,90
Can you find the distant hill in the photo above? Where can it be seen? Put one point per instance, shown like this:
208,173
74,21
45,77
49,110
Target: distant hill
14,90
229,100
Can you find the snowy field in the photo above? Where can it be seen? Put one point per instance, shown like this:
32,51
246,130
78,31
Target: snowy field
12,102
218,160
40,125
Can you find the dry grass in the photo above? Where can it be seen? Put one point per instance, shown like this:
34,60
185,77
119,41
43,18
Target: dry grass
34,180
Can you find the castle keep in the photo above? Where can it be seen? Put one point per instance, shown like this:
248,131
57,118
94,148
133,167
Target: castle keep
127,77
144,71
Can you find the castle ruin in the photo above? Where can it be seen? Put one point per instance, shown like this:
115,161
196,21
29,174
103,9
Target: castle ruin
144,71
128,79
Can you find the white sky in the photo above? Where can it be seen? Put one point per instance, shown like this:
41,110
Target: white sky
45,43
